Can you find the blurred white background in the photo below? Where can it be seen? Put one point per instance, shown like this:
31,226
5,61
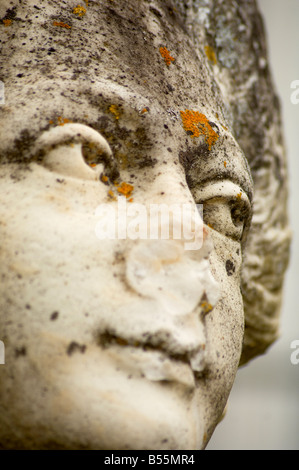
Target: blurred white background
263,409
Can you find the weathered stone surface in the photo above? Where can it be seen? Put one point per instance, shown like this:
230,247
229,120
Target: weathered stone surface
123,344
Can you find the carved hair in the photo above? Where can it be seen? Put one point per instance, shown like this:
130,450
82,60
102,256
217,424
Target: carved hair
234,37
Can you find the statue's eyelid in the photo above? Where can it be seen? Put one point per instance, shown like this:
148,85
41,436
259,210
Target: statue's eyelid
224,189
226,208
88,144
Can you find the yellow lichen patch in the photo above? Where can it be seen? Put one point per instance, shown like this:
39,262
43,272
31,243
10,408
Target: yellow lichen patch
198,124
166,55
239,196
115,110
7,22
224,163
122,160
210,53
206,307
79,10
61,24
125,189
111,195
121,341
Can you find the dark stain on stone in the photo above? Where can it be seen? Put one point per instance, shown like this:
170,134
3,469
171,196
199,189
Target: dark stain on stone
230,267
20,351
74,347
54,315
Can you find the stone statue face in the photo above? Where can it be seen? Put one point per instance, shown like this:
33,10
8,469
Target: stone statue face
115,343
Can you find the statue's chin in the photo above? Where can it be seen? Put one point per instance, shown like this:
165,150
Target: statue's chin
93,401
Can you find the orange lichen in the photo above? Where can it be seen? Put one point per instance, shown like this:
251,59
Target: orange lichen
115,110
7,22
145,110
224,163
239,196
210,53
79,10
198,124
125,189
62,121
61,24
166,55
104,178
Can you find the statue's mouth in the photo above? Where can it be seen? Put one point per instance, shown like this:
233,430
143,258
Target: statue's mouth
157,360
108,339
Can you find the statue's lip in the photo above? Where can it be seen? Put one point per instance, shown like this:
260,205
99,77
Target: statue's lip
194,360
107,339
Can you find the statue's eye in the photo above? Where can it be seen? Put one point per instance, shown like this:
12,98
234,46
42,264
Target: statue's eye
76,150
226,208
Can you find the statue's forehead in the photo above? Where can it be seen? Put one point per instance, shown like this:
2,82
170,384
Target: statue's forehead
75,66
152,55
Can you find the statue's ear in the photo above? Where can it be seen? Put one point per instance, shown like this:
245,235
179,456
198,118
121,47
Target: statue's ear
265,261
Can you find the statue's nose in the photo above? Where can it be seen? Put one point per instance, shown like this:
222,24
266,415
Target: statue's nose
180,288
179,281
